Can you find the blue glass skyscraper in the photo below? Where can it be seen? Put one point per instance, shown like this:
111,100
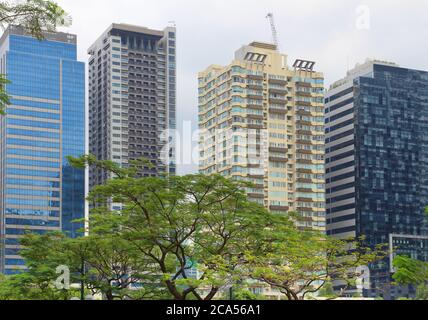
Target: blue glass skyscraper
377,164
44,123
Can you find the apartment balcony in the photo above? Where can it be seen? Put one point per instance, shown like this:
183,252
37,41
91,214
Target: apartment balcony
302,180
304,209
304,132
255,87
304,103
304,84
305,190
304,113
278,159
303,93
278,110
279,208
254,146
256,195
278,91
254,165
252,105
255,117
255,77
255,176
304,161
303,151
306,142
255,97
255,126
308,200
274,149
303,123
281,82
277,100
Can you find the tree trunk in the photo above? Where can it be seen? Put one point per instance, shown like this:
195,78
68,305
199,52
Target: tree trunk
212,294
173,290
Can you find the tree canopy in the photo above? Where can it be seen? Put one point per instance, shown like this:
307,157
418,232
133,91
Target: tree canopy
36,16
301,263
190,237
409,271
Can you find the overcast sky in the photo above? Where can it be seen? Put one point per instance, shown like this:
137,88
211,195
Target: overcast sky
335,33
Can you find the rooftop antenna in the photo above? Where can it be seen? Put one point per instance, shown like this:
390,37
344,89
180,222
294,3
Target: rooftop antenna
274,31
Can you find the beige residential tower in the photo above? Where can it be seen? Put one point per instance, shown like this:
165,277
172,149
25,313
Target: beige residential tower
263,121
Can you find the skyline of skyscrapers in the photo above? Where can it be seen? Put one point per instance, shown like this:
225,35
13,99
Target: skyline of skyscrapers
352,161
263,122
44,123
377,163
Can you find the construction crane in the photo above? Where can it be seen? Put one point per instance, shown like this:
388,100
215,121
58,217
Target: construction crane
274,31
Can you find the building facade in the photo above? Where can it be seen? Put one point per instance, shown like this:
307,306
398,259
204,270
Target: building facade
132,98
262,121
377,163
44,123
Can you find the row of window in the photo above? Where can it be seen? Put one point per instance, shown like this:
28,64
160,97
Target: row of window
30,143
30,123
32,173
36,193
32,133
33,153
35,114
32,212
33,183
341,167
34,104
32,163
33,202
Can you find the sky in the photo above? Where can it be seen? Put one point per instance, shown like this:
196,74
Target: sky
336,34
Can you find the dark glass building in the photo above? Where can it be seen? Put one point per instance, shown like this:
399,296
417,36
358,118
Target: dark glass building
132,99
377,164
44,123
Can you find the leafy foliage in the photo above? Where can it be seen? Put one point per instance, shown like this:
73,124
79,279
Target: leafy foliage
36,16
410,271
43,256
300,263
184,238
4,98
182,225
422,292
328,291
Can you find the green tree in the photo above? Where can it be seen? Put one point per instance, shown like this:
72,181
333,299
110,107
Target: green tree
300,263
4,97
413,272
422,292
36,16
409,271
98,265
180,226
246,295
327,291
42,255
182,238
110,266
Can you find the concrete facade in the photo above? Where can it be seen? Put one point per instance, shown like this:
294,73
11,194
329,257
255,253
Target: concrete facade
263,122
